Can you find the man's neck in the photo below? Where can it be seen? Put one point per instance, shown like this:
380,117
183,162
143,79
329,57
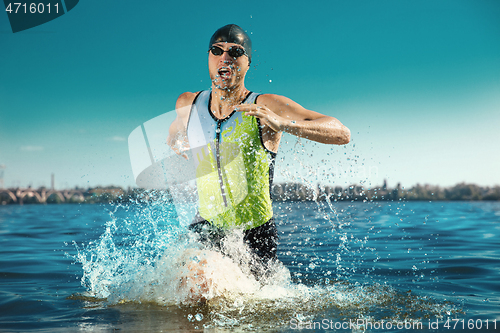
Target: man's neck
224,100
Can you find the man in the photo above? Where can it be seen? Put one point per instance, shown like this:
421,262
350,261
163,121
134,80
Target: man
240,134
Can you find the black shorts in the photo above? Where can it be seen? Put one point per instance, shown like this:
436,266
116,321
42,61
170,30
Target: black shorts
262,240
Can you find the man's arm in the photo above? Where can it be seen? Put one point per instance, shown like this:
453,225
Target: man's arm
177,137
281,114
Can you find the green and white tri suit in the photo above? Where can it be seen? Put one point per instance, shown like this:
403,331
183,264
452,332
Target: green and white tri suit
234,169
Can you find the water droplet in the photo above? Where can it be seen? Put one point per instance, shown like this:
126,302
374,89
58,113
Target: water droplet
198,316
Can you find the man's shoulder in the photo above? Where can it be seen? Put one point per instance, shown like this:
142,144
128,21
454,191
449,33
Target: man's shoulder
185,99
274,100
270,96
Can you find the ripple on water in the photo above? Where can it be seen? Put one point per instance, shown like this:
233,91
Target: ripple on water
165,267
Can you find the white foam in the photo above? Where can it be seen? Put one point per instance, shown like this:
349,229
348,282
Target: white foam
148,258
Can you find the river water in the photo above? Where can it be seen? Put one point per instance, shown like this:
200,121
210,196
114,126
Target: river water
354,267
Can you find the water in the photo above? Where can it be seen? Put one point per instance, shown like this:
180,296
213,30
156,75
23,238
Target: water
68,268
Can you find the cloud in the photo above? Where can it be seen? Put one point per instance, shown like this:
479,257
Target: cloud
31,148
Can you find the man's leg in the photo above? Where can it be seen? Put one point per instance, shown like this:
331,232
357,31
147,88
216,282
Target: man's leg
263,242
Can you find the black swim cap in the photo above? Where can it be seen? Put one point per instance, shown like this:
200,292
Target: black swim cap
232,33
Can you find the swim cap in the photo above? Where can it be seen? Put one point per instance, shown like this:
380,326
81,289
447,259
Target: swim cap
232,33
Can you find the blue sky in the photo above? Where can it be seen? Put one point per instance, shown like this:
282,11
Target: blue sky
417,82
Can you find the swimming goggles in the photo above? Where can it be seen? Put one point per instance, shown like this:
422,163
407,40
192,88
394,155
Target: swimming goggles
234,51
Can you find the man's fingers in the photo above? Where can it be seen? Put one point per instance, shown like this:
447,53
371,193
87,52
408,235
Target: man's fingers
247,107
266,116
251,110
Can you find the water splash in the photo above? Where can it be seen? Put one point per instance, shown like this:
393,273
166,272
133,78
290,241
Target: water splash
145,256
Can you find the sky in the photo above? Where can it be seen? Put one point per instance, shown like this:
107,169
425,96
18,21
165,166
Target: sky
416,82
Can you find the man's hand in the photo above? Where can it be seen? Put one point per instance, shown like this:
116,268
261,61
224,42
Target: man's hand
266,116
179,144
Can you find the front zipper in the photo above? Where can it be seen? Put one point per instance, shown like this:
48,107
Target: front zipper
217,157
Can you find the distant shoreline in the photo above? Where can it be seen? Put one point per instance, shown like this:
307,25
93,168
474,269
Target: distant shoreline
280,192
459,192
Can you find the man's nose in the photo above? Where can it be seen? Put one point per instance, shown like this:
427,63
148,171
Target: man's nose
226,57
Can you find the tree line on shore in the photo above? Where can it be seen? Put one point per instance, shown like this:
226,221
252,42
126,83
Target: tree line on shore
290,192
462,191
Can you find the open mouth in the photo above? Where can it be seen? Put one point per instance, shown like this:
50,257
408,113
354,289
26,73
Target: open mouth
225,72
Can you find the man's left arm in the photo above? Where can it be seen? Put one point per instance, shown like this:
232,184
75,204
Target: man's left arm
281,114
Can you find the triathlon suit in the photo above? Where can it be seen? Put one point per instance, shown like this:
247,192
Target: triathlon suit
234,173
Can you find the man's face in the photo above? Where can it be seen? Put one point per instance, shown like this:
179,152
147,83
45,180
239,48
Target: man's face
225,71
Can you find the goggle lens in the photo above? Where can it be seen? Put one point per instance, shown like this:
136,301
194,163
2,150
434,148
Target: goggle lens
234,52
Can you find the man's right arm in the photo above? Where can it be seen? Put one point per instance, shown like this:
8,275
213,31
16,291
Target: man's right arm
177,130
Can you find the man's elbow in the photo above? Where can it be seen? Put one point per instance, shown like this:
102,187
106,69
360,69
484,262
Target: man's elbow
347,136
344,136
